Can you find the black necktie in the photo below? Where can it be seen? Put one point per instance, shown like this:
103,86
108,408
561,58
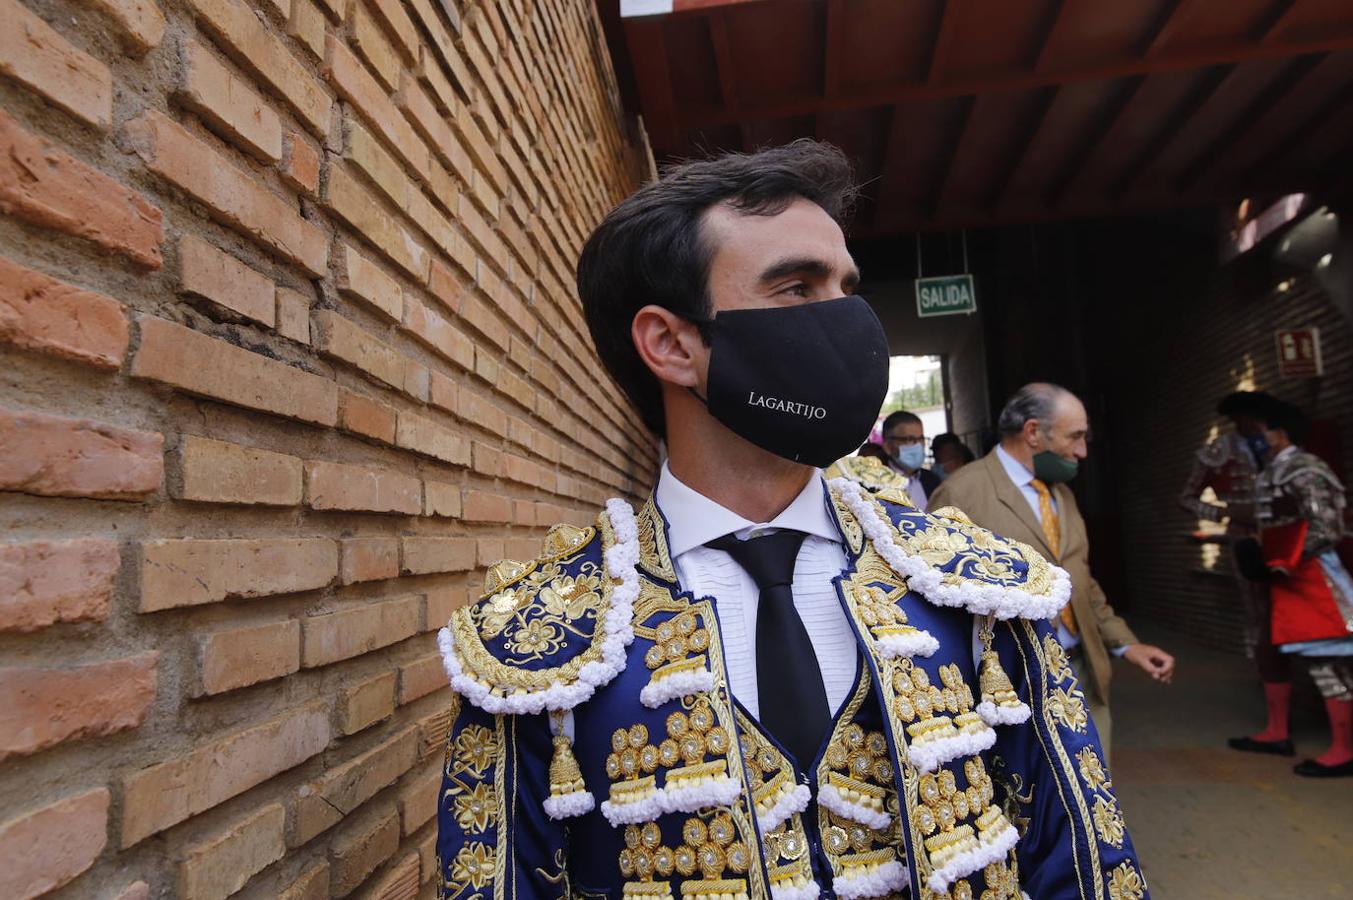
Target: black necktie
789,680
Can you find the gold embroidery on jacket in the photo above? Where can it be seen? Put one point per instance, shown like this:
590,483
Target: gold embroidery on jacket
944,816
474,769
785,847
699,741
851,752
1108,818
979,556
540,614
654,554
1065,706
1126,883
1055,750
1014,799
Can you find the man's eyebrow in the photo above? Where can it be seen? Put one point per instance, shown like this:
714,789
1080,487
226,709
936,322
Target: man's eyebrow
806,266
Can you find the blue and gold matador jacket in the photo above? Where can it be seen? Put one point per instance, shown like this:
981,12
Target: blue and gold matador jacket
596,750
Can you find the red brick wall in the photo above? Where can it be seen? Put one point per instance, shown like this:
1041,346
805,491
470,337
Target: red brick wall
290,348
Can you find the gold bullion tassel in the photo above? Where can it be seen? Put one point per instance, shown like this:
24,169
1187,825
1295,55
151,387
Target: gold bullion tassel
568,791
1000,705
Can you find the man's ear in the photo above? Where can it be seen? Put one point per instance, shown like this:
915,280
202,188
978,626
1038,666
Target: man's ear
669,345
1031,436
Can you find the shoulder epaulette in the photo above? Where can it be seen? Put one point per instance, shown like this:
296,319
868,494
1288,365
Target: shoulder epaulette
1305,463
547,633
952,562
870,473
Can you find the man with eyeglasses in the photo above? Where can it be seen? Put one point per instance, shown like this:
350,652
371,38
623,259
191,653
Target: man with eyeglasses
904,441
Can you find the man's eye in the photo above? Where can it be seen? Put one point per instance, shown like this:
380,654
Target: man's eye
798,290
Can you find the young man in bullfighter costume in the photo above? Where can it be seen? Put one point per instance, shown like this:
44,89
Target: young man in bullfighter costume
762,683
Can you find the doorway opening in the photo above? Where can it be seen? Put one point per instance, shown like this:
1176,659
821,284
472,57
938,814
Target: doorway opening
917,384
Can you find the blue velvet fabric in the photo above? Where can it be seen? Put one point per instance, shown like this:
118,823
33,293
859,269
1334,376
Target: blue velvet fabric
1047,772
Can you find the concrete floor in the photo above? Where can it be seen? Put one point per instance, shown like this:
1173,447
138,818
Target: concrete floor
1210,822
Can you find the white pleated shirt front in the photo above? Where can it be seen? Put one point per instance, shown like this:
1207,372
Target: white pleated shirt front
693,520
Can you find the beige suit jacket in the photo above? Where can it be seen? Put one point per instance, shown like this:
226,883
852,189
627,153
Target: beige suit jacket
984,491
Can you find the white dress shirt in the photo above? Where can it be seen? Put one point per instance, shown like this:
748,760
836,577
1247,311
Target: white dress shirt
1024,480
693,519
915,489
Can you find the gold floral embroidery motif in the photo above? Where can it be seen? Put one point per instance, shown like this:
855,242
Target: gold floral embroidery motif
474,803
1068,709
1059,667
564,540
471,758
1093,773
1065,705
544,612
1106,815
979,556
536,617
1109,822
472,867
1047,655
1125,883
869,473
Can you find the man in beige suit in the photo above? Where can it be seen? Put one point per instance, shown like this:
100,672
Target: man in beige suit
1019,490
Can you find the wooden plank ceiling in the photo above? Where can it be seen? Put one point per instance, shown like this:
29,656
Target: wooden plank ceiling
986,112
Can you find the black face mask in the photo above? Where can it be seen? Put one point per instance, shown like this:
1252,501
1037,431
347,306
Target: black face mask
803,382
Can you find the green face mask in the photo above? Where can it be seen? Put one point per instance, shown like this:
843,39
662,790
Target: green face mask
1052,469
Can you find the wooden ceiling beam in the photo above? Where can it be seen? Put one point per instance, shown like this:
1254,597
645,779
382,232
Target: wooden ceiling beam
1246,125
1278,21
944,192
835,48
723,62
648,53
1098,135
1086,208
886,204
1043,55
1169,127
1333,113
944,41
1028,139
1167,29
1015,80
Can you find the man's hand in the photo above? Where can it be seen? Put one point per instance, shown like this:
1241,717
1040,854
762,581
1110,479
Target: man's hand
1151,660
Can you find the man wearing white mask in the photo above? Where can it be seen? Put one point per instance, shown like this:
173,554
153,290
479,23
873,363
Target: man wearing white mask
904,441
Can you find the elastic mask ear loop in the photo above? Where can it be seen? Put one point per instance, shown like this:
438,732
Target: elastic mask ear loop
706,329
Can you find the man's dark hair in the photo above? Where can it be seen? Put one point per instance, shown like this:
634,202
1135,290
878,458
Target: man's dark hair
901,417
651,249
949,439
1290,418
868,448
945,438
1246,403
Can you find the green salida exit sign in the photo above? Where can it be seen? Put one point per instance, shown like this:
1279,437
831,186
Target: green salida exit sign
946,295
